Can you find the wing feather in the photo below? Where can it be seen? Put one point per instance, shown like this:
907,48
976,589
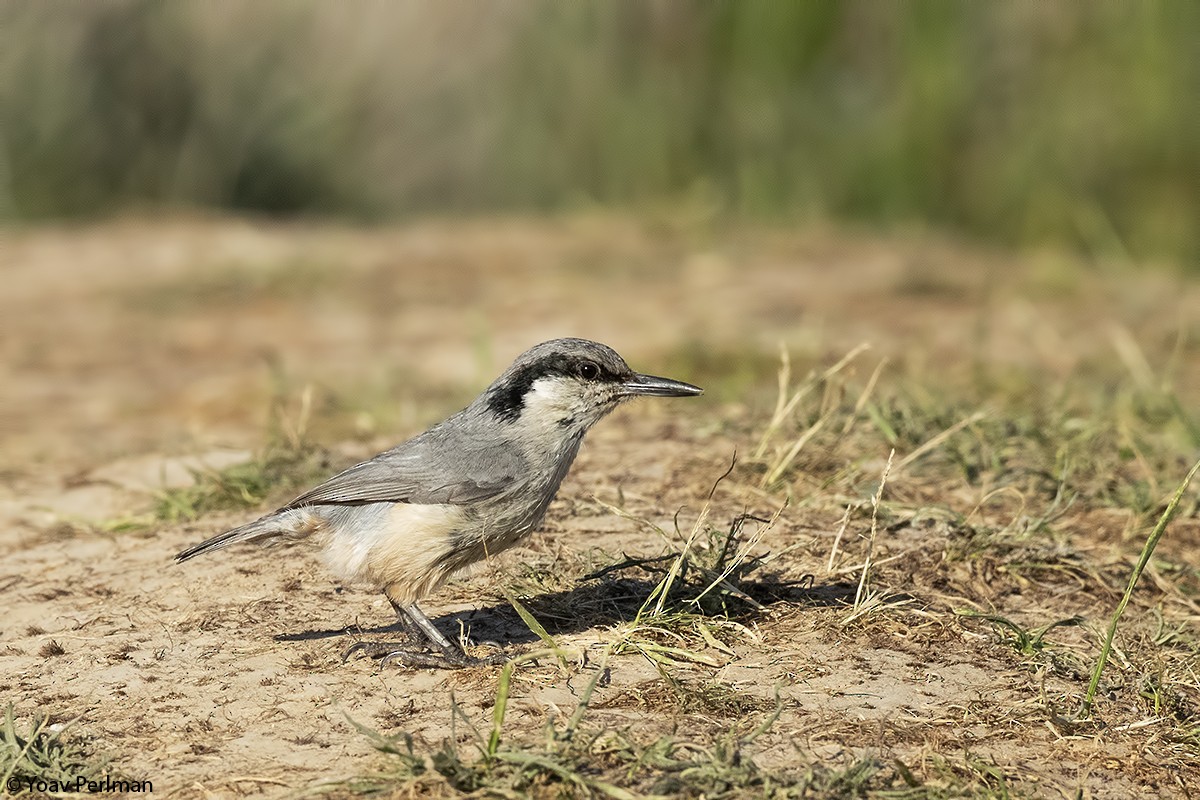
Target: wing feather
428,469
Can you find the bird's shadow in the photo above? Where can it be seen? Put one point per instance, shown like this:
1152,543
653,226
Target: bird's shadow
597,604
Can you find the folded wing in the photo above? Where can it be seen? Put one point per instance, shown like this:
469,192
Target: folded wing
425,470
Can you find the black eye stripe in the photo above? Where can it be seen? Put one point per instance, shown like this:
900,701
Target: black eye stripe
506,398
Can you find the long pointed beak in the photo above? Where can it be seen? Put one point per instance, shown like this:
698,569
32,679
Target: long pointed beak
653,386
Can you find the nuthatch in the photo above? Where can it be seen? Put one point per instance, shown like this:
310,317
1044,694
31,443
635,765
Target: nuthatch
470,487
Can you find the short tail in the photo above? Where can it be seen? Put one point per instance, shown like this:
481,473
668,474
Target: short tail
268,527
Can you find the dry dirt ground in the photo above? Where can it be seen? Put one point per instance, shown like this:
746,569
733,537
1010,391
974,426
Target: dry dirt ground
138,354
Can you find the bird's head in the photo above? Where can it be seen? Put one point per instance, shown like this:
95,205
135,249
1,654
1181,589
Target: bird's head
569,385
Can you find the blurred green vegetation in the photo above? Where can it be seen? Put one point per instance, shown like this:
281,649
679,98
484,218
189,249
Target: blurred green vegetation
1069,124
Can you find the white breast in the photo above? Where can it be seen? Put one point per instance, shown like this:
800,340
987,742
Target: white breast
387,543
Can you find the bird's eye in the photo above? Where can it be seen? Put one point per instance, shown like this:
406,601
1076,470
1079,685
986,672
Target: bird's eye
589,371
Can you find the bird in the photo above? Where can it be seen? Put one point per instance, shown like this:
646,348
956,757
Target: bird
479,482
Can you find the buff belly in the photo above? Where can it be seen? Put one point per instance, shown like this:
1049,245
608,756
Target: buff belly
404,548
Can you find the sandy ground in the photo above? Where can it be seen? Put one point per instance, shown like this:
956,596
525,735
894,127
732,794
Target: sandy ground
135,350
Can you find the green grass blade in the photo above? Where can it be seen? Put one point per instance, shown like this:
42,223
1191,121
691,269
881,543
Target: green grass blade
537,629
586,698
10,731
1147,550
499,710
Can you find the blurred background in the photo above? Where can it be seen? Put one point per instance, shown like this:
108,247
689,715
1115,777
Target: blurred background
1067,124
214,207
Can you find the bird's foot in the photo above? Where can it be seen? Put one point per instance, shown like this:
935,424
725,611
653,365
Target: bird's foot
402,654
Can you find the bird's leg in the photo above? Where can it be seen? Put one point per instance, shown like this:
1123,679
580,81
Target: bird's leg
405,623
451,654
426,626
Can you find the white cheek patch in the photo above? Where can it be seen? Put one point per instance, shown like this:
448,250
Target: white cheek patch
552,406
555,402
551,398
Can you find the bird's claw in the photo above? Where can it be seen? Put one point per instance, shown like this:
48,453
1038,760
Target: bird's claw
407,658
401,655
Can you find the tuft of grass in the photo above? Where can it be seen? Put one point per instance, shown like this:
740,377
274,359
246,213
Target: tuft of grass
868,599
288,464
1038,443
576,759
44,752
1031,643
671,694
277,470
1026,641
999,488
788,400
51,649
702,591
496,765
